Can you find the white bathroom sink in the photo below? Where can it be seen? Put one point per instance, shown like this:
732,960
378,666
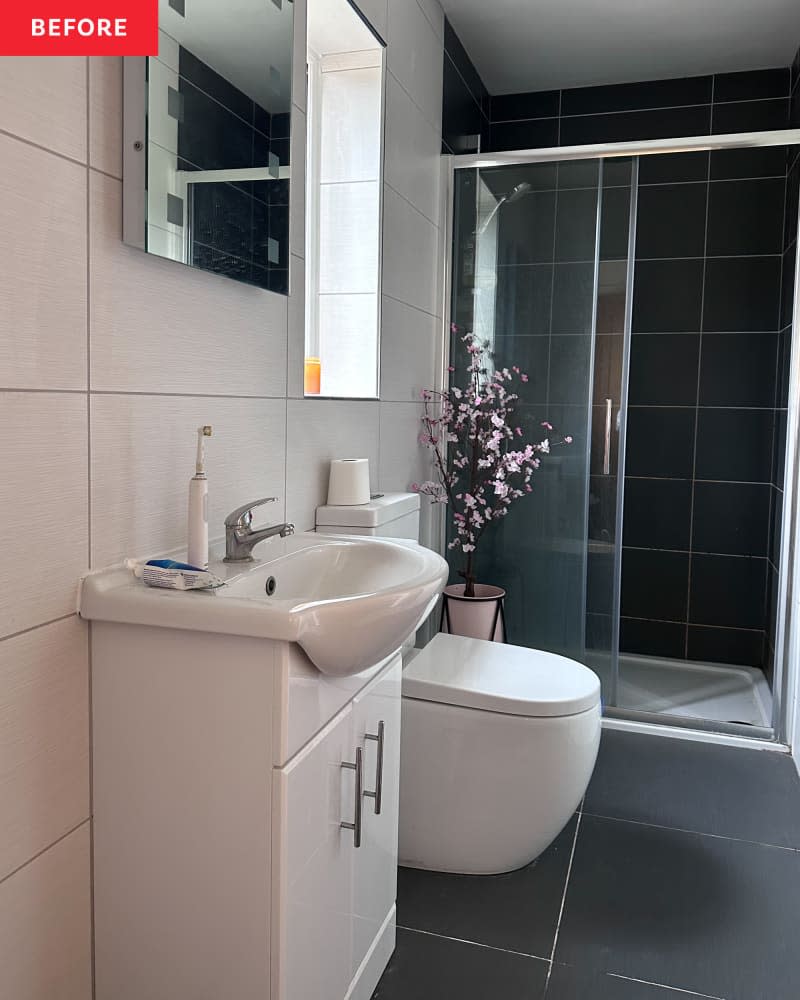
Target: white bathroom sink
347,601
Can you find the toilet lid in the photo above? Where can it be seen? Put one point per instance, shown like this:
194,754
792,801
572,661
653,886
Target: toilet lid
496,677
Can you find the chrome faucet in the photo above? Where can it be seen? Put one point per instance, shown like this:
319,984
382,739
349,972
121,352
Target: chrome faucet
241,538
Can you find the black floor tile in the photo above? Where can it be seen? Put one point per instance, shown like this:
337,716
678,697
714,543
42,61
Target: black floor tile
698,913
427,967
517,911
570,983
745,794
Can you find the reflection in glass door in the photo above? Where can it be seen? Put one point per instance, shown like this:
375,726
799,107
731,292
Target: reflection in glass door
540,273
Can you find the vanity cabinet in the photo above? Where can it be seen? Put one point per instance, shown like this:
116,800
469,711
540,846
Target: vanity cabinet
222,868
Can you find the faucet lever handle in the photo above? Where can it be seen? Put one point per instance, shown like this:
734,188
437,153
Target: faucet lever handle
243,516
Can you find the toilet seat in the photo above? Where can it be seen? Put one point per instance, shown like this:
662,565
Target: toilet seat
497,677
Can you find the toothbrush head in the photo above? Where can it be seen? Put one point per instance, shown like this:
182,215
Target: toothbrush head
206,430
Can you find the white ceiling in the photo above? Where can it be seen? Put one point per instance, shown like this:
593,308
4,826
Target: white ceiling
524,45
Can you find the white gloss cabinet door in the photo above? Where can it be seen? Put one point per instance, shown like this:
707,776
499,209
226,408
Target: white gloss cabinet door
376,712
312,894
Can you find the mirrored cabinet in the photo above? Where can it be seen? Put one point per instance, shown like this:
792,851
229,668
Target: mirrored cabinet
207,127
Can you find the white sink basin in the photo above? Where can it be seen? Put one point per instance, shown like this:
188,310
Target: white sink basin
347,601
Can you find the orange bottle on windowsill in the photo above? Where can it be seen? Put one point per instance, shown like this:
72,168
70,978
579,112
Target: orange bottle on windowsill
311,377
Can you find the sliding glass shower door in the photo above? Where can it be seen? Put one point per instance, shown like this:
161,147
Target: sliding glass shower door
541,274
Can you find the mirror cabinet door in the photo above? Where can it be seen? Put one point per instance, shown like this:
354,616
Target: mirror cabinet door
211,187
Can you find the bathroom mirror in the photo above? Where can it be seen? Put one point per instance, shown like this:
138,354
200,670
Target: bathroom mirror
344,184
207,139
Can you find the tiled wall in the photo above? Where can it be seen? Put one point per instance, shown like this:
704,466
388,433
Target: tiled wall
110,359
222,128
706,374
658,109
465,100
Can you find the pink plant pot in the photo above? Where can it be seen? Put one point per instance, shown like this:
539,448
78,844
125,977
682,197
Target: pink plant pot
478,617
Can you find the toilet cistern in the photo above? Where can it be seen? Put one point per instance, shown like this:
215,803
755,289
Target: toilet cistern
241,538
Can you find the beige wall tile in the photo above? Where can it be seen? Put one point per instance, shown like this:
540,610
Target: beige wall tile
410,245
319,430
43,503
105,114
45,925
412,152
415,57
159,326
43,277
44,738
143,450
44,101
409,340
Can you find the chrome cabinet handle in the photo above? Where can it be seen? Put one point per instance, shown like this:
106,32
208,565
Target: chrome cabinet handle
607,440
358,767
377,795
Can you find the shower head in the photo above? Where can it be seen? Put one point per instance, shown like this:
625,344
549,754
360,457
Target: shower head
517,192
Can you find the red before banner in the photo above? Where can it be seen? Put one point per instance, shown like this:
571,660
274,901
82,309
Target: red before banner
80,28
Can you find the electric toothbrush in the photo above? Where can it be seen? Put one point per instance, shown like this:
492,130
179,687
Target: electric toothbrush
197,554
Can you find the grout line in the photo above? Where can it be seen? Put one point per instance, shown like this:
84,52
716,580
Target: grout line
663,986
177,395
419,210
44,850
694,833
45,149
563,899
477,944
33,628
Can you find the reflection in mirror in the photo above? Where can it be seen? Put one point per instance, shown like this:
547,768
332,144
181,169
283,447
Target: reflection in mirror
344,171
218,112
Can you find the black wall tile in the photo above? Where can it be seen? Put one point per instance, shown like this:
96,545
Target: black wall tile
734,445
570,368
751,116
660,442
667,296
733,164
731,518
615,223
652,638
738,369
654,584
526,230
573,298
461,115
751,85
514,107
726,645
742,294
673,168
663,369
727,590
539,134
657,513
524,296
210,82
456,51
637,96
745,217
630,125
671,220
578,174
531,355
576,225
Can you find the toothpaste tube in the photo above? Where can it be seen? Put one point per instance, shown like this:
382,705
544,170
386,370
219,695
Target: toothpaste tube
173,575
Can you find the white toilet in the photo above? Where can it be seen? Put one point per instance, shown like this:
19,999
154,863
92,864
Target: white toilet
498,746
498,742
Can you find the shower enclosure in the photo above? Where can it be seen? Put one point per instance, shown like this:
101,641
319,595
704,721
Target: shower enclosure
648,290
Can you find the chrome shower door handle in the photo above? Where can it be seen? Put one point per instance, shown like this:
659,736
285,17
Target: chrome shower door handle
358,767
377,795
607,439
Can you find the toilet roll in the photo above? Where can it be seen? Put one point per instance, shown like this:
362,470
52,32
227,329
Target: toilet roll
348,485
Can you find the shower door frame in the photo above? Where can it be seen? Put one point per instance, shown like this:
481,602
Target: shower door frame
786,685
